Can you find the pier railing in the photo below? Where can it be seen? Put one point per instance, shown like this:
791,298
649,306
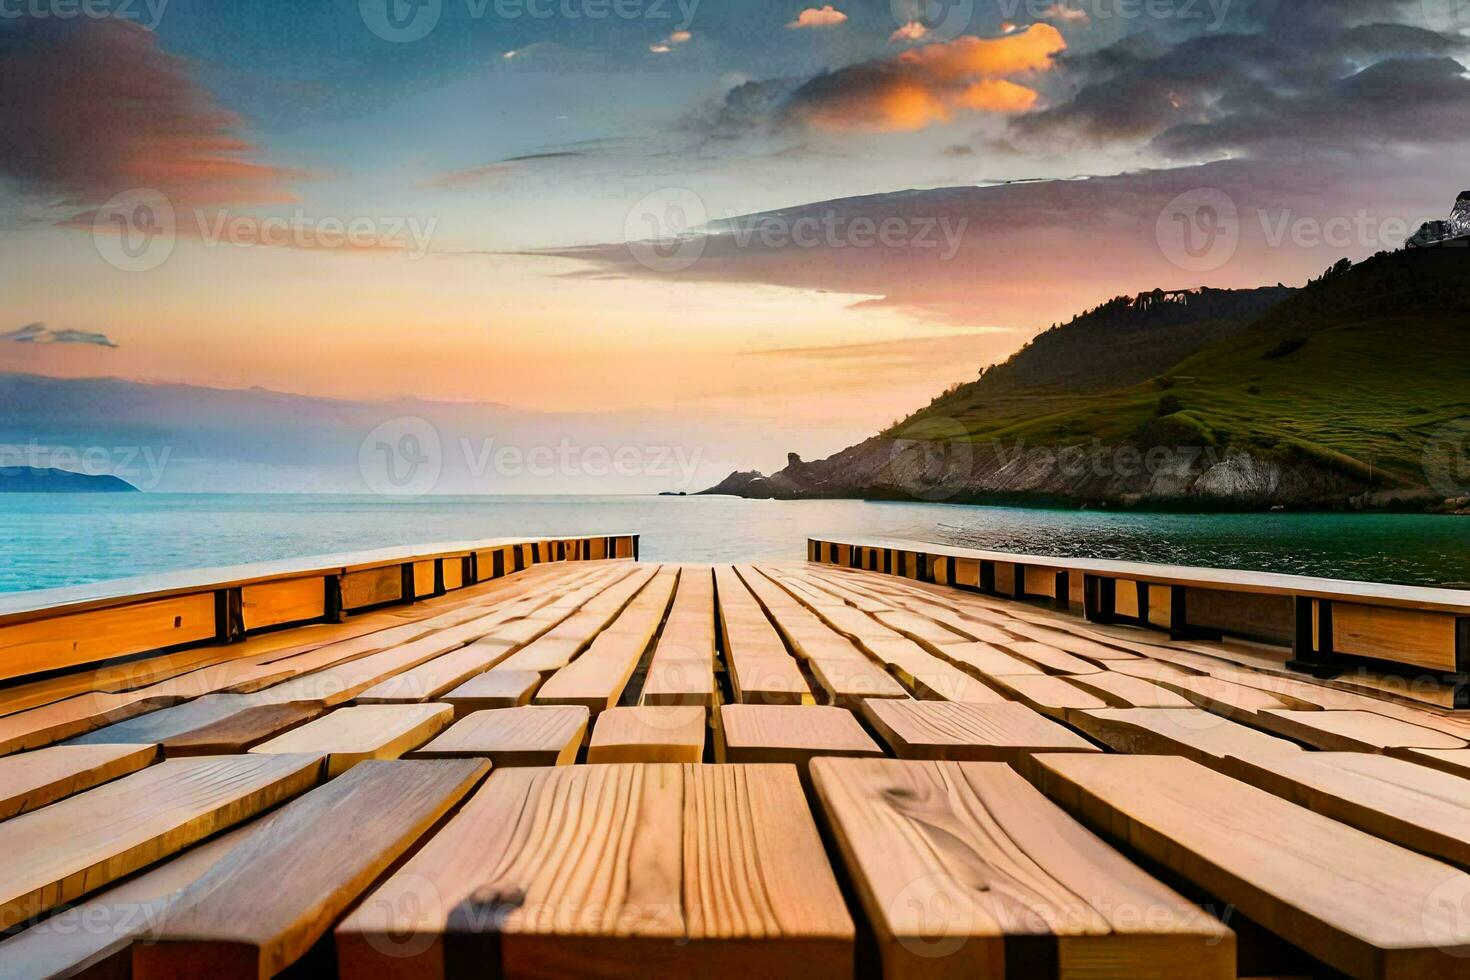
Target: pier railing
60,629
1328,624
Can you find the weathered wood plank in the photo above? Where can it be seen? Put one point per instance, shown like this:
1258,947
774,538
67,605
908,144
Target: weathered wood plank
535,735
1354,731
598,677
682,671
1122,691
649,733
1006,732
762,670
966,870
795,734
1191,732
1395,799
349,736
34,779
61,852
264,904
1054,697
495,689
242,730
1363,906
711,871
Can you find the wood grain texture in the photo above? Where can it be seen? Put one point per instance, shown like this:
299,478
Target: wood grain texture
573,634
1006,732
711,871
1050,659
984,660
67,641
1453,761
1227,699
1068,640
1354,731
60,853
1190,732
1123,691
348,736
496,689
762,670
1421,808
795,734
34,779
965,870
649,733
598,677
682,671
1363,906
242,730
263,905
93,939
535,735
1049,695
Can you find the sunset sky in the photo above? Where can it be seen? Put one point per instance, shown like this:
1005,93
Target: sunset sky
493,158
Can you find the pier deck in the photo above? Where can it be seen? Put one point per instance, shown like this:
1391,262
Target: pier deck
546,758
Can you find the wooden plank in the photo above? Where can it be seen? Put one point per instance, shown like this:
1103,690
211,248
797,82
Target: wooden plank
1421,808
53,722
1410,636
242,730
1054,697
496,689
263,905
292,601
598,677
1354,731
794,734
1191,732
649,733
535,735
682,671
1006,732
349,736
156,727
965,870
61,852
848,683
762,670
984,660
710,871
34,779
1227,699
1453,761
372,587
67,641
1050,659
1070,642
561,645
1361,905
1122,691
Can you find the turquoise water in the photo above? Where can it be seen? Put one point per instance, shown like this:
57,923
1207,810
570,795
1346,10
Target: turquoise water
59,539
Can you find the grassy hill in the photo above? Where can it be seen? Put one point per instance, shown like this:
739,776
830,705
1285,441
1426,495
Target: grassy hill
1352,373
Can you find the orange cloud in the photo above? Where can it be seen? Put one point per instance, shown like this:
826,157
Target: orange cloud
96,108
929,85
828,16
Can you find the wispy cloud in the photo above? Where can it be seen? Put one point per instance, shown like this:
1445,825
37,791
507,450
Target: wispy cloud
39,333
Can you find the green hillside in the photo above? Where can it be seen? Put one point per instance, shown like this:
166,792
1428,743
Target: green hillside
1355,371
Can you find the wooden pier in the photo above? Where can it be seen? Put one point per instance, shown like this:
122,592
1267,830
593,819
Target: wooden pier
548,758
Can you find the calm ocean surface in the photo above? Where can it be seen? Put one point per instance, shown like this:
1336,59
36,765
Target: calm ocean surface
50,540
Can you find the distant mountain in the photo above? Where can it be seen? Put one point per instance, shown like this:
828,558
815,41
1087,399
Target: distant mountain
1455,230
1350,392
26,479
